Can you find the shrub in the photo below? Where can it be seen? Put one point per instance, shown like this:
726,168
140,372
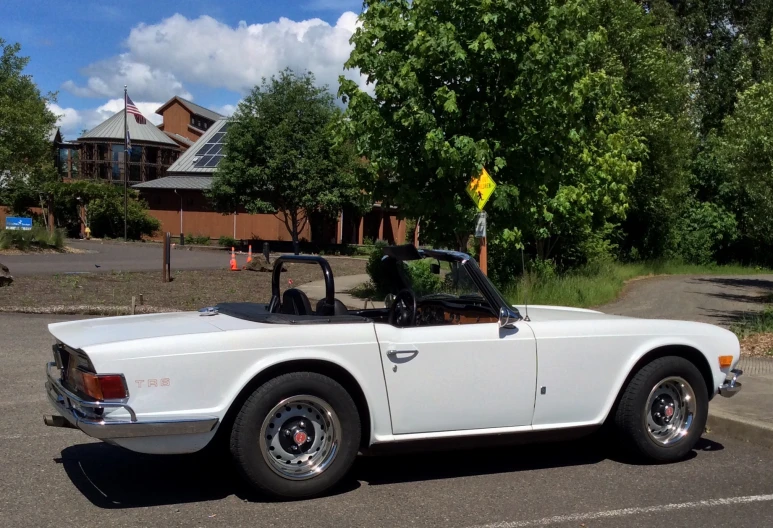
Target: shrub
197,240
375,269
423,281
106,218
38,237
227,241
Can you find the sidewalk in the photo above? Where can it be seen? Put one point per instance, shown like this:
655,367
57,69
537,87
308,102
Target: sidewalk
316,290
748,415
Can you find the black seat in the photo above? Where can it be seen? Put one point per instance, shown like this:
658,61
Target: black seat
338,308
295,302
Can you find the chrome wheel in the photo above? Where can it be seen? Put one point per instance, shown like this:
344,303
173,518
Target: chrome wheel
299,438
670,410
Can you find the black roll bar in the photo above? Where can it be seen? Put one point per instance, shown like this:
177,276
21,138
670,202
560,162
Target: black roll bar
301,259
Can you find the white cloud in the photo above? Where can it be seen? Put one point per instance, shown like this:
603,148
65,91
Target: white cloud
226,110
163,56
68,119
107,78
72,122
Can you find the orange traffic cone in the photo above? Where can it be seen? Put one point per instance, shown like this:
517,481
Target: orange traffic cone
234,267
249,253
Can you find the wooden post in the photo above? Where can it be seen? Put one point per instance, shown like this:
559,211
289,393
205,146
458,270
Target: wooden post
134,304
167,268
483,256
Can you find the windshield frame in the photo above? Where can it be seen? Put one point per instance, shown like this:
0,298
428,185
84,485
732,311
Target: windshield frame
490,292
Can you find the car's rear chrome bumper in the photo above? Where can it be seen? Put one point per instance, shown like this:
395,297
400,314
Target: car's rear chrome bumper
731,386
82,414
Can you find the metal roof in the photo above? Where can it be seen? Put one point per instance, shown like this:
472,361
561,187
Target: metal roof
181,139
112,128
185,163
199,183
193,108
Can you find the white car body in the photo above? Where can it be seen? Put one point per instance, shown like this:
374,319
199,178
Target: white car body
562,368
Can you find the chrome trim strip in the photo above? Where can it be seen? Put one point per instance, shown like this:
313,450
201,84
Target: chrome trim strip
67,403
731,386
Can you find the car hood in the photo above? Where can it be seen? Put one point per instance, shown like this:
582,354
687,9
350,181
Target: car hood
99,331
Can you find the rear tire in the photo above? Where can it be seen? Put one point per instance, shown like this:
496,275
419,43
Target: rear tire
296,436
663,410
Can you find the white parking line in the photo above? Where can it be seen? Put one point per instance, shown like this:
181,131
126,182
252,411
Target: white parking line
611,514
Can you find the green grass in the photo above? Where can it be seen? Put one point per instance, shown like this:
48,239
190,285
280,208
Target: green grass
599,284
754,323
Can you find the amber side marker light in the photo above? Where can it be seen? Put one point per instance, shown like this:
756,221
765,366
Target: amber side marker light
104,387
725,361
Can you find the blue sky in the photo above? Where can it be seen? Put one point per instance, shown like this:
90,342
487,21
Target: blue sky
209,51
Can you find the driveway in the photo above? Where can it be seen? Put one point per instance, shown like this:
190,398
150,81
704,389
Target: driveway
720,300
114,256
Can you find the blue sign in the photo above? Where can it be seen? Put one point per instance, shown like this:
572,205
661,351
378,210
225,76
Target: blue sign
16,222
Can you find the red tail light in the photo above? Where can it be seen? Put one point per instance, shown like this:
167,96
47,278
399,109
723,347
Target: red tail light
113,387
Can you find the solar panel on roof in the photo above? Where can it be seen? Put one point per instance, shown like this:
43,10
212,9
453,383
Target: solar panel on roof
210,154
213,161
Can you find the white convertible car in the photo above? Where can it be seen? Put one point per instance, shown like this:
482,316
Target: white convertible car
298,391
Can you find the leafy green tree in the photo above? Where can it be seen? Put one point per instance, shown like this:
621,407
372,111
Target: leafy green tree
533,90
658,90
283,155
26,159
742,162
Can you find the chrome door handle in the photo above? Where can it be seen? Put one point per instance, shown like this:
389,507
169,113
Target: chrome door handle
396,354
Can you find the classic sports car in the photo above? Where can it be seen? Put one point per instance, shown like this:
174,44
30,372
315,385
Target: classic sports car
298,391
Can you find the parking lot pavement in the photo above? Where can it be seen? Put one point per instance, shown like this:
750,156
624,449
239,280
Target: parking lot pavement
114,256
57,477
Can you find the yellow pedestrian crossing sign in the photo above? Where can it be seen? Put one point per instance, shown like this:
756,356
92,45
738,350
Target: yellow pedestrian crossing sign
481,188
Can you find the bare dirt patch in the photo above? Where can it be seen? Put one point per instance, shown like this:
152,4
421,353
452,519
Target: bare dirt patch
757,345
94,293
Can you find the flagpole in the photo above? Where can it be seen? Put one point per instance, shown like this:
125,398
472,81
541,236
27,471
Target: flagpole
125,164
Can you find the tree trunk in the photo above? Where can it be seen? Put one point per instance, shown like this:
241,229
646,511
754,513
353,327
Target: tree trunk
294,222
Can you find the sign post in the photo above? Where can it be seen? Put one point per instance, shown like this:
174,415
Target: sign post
480,189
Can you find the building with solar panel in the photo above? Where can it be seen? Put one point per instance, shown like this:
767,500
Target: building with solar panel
178,200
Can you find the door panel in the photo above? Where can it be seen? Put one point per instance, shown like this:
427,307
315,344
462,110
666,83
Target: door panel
458,377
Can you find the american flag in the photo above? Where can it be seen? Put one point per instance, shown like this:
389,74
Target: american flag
132,109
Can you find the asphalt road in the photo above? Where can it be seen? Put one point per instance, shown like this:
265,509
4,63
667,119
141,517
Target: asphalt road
56,477
114,256
719,300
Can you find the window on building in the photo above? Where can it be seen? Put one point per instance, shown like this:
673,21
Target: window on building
117,154
102,152
136,154
135,173
151,155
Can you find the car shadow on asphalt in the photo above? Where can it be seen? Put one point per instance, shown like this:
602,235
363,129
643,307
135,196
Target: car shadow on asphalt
114,478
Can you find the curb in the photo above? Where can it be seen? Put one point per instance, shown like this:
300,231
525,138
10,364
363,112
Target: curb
739,428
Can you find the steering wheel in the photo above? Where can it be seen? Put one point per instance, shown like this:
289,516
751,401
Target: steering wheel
402,313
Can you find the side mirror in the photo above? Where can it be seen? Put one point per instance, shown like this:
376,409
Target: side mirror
434,269
507,319
389,300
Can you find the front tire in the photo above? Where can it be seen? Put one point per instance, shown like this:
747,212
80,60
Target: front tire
663,410
296,436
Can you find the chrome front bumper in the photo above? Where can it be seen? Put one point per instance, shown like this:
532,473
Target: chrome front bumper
731,386
81,414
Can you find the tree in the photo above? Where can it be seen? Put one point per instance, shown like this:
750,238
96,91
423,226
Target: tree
743,161
533,90
26,160
283,155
